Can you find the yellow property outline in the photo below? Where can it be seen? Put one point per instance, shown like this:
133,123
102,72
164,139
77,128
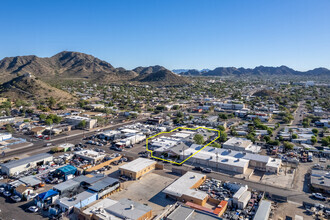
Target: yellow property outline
193,129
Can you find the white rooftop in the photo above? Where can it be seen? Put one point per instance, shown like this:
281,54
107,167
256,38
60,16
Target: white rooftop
90,154
183,185
137,164
239,142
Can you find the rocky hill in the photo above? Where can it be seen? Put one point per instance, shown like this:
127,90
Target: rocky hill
75,65
29,87
160,76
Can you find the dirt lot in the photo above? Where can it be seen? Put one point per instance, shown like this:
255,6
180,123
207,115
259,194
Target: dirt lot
142,192
281,179
290,209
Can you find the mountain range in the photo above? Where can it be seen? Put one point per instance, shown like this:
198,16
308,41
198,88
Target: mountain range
257,71
75,65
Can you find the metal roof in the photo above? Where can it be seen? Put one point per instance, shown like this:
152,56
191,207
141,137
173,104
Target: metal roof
70,184
263,210
103,183
30,180
33,158
138,164
182,186
124,208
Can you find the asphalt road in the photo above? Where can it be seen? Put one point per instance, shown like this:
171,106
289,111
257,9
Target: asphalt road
75,138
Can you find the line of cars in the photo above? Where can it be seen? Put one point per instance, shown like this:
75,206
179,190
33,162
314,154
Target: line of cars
6,193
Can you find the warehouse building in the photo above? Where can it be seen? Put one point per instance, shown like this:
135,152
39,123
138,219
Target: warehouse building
5,136
137,168
263,211
184,189
320,180
78,201
241,144
90,155
17,166
187,213
65,172
230,160
75,120
105,186
110,209
241,197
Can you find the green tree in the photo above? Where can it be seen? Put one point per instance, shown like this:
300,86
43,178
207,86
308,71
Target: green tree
294,136
315,131
221,128
326,141
216,145
313,140
250,136
179,114
175,107
288,145
51,102
267,138
42,117
9,128
223,136
49,121
82,124
199,139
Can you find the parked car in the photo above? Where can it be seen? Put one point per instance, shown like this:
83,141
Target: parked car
319,196
198,168
7,193
33,209
207,170
16,198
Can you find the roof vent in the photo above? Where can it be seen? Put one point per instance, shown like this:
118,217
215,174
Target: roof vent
131,206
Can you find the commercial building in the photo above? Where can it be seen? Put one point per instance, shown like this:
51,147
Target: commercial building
263,211
184,189
78,201
137,168
241,197
5,136
90,155
6,120
320,180
65,172
110,209
45,199
105,186
17,166
241,144
230,160
187,213
75,120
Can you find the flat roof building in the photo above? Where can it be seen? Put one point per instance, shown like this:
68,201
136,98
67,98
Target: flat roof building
241,144
187,213
90,155
117,210
230,160
17,166
263,211
137,168
184,188
320,179
79,201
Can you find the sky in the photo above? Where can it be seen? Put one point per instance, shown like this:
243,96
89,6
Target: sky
172,33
